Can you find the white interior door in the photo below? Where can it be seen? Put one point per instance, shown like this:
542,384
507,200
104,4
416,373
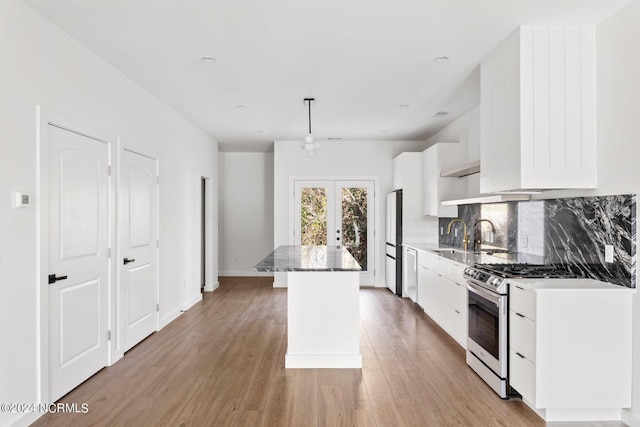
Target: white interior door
337,213
137,241
78,258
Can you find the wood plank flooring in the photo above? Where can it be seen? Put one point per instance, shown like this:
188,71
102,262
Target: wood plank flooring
222,364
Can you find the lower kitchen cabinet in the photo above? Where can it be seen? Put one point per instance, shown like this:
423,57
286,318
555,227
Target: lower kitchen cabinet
443,299
570,351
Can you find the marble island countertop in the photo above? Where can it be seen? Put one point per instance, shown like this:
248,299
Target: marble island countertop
308,258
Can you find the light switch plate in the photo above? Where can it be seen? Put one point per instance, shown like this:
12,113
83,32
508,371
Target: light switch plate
21,200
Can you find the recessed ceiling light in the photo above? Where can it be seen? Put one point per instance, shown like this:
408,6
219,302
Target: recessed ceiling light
259,131
405,105
241,106
208,59
384,131
441,58
440,114
334,138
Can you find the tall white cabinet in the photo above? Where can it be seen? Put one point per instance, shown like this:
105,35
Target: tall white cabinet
538,111
407,170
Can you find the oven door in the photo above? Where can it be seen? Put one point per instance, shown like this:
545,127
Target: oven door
487,332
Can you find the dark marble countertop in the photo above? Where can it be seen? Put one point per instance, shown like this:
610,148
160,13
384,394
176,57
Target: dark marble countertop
308,258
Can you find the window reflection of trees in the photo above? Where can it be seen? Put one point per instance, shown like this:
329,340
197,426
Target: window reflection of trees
313,225
354,223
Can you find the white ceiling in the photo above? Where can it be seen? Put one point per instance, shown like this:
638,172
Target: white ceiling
368,63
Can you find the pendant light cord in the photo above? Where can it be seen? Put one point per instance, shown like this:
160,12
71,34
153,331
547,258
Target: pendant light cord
309,101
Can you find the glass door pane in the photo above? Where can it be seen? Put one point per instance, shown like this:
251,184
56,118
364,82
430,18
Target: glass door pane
354,223
314,213
313,216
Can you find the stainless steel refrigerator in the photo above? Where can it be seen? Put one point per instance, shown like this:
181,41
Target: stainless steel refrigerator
393,260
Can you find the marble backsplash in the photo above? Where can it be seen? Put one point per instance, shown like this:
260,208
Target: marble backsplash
572,232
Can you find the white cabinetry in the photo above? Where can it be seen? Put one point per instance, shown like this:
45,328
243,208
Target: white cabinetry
442,294
570,351
435,188
406,176
538,111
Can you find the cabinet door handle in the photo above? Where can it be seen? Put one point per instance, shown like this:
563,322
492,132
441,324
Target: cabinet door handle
522,289
128,260
520,355
457,311
518,314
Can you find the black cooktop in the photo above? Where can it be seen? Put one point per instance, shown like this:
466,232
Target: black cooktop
527,271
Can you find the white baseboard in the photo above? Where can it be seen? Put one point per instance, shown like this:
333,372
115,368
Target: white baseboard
169,318
630,418
211,288
245,273
24,419
279,284
193,301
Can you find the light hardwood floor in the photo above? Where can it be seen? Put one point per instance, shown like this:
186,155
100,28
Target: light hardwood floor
222,364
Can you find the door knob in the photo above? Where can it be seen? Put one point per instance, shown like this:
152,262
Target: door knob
53,278
127,260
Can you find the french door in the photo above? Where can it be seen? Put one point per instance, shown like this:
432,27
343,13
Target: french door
337,213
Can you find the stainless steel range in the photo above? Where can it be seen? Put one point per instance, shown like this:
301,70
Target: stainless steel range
488,329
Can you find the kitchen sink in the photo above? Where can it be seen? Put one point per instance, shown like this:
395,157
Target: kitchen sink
449,251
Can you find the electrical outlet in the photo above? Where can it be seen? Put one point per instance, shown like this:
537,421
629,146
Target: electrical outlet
608,253
236,259
525,241
455,232
441,231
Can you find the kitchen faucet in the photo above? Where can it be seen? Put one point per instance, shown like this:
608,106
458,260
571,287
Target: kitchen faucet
477,231
465,236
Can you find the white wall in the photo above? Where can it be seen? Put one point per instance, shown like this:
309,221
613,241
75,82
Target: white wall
341,159
618,104
466,132
41,65
246,211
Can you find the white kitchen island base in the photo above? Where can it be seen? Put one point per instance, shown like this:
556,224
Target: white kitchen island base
323,319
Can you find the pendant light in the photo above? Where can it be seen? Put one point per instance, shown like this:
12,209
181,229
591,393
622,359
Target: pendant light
309,145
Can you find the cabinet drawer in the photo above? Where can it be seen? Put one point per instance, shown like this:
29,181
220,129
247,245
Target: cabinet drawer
522,335
427,260
522,376
457,324
453,271
522,301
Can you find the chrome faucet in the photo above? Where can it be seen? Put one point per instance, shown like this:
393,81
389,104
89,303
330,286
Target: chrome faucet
477,241
465,236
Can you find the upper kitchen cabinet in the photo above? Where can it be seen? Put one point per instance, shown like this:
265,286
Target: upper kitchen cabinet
538,117
435,187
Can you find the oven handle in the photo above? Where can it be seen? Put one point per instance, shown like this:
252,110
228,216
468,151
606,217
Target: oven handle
484,293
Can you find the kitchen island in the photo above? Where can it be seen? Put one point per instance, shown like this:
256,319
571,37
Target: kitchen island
323,305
